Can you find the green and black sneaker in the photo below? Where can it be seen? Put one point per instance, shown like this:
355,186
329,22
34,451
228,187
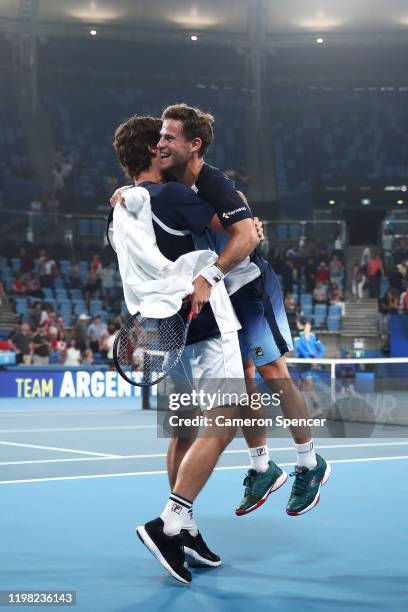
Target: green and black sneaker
258,487
306,488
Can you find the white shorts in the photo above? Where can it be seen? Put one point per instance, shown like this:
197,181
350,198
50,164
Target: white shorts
211,367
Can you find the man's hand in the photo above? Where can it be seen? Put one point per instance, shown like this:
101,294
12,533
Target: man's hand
259,228
118,198
200,296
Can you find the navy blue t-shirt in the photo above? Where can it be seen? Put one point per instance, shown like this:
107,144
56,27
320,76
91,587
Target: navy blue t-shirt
178,212
216,188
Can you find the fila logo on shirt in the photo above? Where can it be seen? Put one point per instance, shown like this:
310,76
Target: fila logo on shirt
176,508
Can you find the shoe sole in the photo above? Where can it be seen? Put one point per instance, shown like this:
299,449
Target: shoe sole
279,482
198,559
317,498
150,545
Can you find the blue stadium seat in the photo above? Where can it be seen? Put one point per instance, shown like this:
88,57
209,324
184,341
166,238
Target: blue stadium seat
58,283
333,324
95,307
294,231
48,293
15,264
282,232
335,311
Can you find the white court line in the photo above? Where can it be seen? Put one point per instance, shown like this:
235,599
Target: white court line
100,428
57,448
161,455
155,472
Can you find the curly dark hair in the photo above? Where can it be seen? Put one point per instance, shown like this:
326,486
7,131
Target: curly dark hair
132,141
196,123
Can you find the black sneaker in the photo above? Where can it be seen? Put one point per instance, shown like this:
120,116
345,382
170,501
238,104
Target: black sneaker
168,550
197,550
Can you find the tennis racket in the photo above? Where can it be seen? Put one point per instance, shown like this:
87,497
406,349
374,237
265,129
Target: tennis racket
146,350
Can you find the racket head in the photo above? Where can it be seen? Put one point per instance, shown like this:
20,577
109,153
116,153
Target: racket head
109,231
146,350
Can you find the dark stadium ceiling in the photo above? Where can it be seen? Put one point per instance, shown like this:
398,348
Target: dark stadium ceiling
285,21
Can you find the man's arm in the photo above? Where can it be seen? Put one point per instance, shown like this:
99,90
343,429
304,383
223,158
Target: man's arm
244,239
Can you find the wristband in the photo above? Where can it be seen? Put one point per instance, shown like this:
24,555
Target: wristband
213,275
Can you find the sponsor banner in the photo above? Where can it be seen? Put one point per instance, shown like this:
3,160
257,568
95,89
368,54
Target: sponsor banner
29,384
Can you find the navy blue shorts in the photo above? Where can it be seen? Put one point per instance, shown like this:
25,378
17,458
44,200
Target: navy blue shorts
265,335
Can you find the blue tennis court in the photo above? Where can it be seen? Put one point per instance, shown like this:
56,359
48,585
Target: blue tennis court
78,477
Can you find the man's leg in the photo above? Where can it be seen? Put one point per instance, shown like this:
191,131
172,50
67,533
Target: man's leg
162,535
311,471
264,476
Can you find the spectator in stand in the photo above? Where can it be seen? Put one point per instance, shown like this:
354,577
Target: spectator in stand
41,344
375,270
88,357
107,276
397,278
96,264
310,275
289,276
358,281
21,338
336,270
320,294
387,305
58,178
80,332
365,257
387,240
322,274
47,269
95,331
7,345
291,310
3,295
347,375
401,252
92,282
27,261
403,305
34,315
18,287
74,273
72,354
108,341
33,287
46,315
336,297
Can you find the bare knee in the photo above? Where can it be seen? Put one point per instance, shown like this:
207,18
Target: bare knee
276,369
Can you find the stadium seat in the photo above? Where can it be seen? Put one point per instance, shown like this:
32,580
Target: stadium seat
95,307
333,324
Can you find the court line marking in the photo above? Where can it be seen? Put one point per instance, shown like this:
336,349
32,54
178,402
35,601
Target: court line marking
155,472
100,428
59,449
161,455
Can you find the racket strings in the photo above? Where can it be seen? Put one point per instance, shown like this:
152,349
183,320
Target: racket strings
150,348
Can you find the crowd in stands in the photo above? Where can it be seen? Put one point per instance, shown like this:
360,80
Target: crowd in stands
312,278
67,309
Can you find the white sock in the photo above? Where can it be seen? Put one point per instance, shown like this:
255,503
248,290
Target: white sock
259,458
176,514
306,455
191,525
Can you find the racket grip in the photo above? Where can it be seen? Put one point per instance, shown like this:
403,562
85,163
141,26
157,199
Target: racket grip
190,315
